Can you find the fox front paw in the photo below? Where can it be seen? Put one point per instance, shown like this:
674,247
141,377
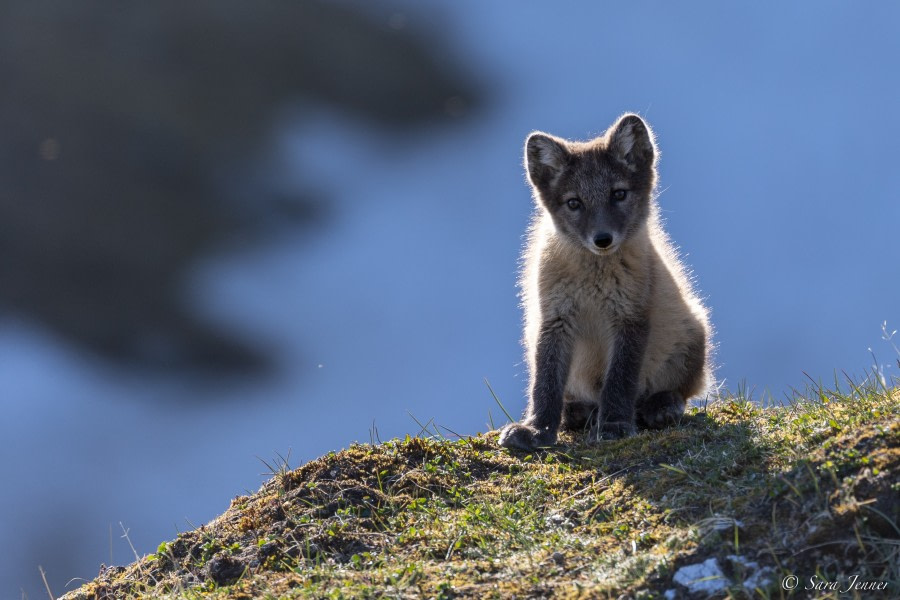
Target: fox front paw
611,430
525,437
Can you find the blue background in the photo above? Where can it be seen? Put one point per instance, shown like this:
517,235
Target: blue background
778,128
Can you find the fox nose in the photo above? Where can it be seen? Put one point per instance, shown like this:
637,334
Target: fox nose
603,240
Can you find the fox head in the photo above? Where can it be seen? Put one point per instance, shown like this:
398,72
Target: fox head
599,192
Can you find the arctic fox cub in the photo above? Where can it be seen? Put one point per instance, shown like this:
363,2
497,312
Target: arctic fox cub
615,335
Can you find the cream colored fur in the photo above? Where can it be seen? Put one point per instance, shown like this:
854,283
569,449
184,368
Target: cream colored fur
575,286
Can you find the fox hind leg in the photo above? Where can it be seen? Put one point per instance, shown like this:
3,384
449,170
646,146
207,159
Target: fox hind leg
660,409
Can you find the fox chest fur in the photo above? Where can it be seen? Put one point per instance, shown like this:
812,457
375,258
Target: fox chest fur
592,296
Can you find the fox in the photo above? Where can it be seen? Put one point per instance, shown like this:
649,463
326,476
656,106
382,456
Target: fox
615,335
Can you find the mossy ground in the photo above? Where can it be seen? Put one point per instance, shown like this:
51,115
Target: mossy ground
809,489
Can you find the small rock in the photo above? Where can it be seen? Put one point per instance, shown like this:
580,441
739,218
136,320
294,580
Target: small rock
670,594
268,549
111,570
743,561
703,578
559,520
224,570
760,580
559,558
309,551
278,528
754,577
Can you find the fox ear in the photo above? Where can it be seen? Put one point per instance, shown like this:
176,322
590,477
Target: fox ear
631,143
545,157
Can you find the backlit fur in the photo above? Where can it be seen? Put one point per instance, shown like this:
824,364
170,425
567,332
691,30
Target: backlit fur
606,297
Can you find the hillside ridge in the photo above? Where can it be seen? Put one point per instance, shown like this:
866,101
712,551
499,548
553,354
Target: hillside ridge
732,502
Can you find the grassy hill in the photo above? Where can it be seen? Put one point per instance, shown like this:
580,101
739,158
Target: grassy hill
729,503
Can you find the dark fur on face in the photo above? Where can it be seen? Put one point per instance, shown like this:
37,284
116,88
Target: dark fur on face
598,193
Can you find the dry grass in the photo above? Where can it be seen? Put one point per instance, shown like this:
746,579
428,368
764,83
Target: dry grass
809,489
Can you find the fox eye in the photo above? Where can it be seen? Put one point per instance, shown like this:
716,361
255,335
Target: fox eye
619,195
574,204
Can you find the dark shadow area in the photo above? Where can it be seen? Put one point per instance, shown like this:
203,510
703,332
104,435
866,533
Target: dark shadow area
134,143
833,513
